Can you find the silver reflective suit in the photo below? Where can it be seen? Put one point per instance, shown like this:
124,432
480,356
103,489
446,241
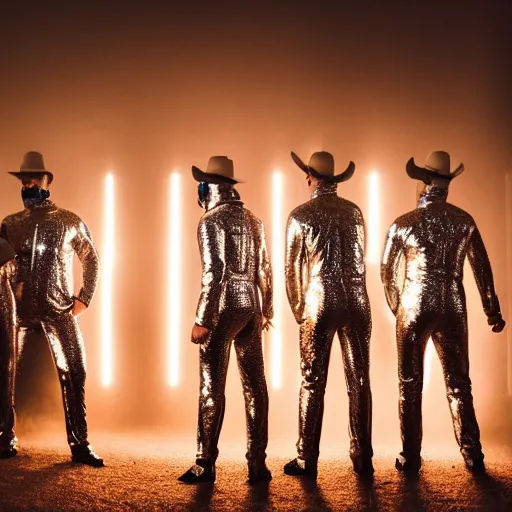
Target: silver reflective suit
8,266
236,268
422,270
45,239
326,288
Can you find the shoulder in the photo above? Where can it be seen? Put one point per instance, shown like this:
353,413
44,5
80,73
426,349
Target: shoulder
301,211
403,224
71,219
68,214
253,217
207,220
13,217
460,213
56,212
349,204
351,207
406,219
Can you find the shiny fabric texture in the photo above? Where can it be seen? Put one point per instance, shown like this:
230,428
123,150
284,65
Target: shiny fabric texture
326,289
422,270
236,269
45,238
7,353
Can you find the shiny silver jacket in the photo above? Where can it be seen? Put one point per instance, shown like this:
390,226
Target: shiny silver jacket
235,262
45,239
423,261
325,244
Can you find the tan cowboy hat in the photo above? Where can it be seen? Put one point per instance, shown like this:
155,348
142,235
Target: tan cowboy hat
32,167
219,170
437,165
321,166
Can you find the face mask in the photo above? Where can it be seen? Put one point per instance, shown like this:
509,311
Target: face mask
34,196
202,193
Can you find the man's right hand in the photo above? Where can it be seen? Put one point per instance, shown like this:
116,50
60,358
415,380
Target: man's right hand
199,334
266,324
497,323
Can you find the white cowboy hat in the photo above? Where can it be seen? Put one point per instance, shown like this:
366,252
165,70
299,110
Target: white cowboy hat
32,166
219,170
321,166
437,165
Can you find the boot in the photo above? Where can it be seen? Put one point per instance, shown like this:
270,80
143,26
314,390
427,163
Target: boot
363,466
202,471
258,472
10,450
408,464
84,454
300,467
475,464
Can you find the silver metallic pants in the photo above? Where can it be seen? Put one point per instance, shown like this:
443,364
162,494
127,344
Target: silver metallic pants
7,380
245,330
450,336
315,349
67,347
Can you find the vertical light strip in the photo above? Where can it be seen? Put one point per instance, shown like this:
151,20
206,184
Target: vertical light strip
508,235
373,245
427,371
278,244
107,274
174,311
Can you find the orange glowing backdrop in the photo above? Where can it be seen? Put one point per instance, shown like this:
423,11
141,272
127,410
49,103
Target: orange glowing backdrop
122,111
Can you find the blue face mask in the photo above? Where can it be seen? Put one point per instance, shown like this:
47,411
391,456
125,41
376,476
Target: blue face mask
34,196
202,193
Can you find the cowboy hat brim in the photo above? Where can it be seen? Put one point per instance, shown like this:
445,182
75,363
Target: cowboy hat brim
339,178
32,174
217,179
426,175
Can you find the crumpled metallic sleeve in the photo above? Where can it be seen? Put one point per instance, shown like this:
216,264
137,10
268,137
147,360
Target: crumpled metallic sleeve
265,280
477,256
389,269
359,267
86,251
211,248
294,268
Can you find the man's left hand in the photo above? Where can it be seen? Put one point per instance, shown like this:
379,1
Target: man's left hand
199,334
78,308
497,322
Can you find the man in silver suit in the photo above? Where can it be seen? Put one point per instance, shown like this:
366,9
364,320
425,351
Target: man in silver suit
45,238
422,270
236,269
326,288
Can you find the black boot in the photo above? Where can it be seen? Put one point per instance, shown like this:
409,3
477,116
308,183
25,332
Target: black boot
363,466
408,464
202,471
475,464
258,472
300,467
84,454
10,450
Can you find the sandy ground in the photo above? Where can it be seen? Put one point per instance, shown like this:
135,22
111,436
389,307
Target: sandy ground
141,475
